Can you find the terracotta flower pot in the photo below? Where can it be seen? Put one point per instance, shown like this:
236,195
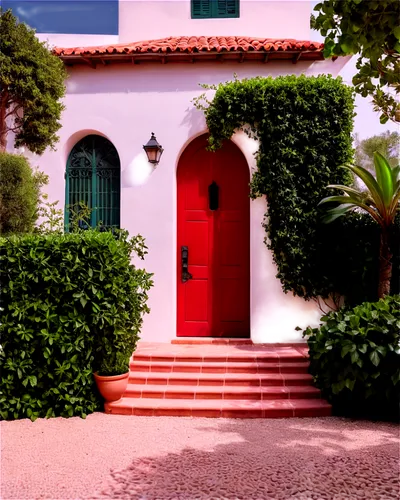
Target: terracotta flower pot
111,387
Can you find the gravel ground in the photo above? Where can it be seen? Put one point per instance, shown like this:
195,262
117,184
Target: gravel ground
165,458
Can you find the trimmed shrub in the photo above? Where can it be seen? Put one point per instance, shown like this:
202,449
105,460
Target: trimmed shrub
304,127
69,303
19,194
355,358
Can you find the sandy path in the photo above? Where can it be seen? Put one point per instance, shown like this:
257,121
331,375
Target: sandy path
163,458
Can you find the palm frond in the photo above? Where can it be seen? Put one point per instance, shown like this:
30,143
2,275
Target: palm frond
384,178
335,213
371,184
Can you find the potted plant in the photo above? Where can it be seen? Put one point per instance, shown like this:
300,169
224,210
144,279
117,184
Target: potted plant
112,375
118,305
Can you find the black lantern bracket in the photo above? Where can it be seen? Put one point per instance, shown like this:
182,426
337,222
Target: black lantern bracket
153,150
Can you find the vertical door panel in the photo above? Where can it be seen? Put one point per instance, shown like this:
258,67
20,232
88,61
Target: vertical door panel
232,244
196,295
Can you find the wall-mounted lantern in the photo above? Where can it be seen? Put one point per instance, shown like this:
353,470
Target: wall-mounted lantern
153,150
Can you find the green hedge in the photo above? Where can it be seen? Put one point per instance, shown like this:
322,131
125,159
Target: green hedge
65,299
304,127
19,194
355,358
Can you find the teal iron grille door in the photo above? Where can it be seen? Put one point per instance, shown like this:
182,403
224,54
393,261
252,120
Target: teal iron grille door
93,177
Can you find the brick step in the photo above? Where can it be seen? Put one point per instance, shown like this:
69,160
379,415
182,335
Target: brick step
233,341
218,392
218,367
221,357
220,379
211,341
230,378
234,408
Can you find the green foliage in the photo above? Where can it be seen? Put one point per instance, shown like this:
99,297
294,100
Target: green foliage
117,341
69,303
116,362
370,29
51,217
19,194
355,358
387,143
79,217
304,127
31,87
380,199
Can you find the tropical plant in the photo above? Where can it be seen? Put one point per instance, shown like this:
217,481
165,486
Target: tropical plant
380,201
31,87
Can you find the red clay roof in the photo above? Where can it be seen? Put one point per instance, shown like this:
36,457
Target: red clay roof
196,44
193,47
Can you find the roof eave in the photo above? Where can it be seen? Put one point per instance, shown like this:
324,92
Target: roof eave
224,56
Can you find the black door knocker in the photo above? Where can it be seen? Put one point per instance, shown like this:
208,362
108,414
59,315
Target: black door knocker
213,196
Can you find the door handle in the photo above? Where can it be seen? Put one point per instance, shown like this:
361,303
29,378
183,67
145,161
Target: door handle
186,276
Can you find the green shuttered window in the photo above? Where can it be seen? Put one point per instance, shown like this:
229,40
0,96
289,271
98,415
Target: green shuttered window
93,178
203,9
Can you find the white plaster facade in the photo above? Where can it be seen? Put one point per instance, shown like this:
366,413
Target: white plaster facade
144,20
125,103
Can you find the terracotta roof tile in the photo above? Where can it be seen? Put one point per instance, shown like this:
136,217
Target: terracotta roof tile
195,45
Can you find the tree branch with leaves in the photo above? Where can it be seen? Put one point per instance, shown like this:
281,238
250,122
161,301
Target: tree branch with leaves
370,29
31,87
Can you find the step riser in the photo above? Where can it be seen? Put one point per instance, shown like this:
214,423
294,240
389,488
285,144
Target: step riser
218,382
232,413
233,341
221,395
222,369
220,359
212,341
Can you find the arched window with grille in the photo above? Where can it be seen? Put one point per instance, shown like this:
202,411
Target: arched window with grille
93,178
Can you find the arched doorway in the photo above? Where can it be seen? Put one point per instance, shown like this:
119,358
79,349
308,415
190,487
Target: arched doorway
93,178
213,242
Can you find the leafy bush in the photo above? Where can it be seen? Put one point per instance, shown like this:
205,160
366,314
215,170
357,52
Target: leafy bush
118,336
19,194
355,358
70,302
31,79
304,126
379,198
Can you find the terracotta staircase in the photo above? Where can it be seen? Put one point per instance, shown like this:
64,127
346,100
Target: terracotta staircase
220,378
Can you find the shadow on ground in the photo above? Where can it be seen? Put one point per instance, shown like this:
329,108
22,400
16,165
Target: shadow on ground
305,459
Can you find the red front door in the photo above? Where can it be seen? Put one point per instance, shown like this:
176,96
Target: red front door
214,240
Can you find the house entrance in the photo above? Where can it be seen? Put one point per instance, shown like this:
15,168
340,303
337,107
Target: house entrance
213,242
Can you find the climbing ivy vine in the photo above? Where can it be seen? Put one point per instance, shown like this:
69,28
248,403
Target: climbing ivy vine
304,127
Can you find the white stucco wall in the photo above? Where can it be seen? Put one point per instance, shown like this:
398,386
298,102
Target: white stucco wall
126,103
151,19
